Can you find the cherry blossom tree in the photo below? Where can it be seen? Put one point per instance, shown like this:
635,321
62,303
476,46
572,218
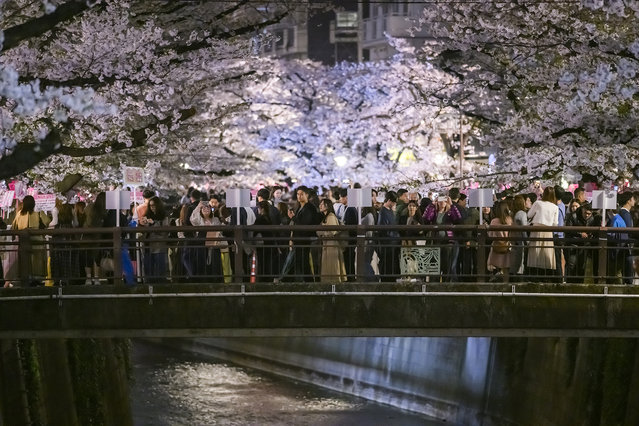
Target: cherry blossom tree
552,84
88,85
376,123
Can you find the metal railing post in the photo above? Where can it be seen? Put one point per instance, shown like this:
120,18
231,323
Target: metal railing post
117,256
239,255
360,258
482,236
603,257
24,257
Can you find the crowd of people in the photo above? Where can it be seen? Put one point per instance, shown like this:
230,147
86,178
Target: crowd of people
275,248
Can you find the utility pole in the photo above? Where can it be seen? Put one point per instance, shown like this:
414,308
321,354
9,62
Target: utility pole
461,145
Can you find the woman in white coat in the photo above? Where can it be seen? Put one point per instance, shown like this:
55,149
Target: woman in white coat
541,253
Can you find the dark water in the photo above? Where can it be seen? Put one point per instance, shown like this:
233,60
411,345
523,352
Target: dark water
173,388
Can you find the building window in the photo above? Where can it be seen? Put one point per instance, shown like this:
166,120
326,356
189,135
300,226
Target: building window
279,39
290,40
346,20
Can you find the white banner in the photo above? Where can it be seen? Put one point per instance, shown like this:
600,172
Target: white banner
237,197
360,197
604,199
480,197
116,200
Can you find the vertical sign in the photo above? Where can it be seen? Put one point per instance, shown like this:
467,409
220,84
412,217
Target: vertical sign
237,197
606,200
480,197
115,200
133,176
358,198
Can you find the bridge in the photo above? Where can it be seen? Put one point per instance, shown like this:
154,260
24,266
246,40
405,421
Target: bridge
341,310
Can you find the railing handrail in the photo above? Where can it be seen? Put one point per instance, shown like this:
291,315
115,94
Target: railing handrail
231,228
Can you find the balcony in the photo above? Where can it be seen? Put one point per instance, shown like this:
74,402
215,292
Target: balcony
374,29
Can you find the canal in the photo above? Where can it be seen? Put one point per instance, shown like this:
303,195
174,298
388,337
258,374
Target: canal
173,387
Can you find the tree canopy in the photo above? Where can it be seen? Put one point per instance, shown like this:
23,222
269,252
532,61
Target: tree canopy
85,86
554,84
177,88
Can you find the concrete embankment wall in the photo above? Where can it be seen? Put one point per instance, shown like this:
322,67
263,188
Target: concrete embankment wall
464,381
64,382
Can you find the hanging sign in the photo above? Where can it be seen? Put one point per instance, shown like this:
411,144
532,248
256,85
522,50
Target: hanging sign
19,189
44,202
7,199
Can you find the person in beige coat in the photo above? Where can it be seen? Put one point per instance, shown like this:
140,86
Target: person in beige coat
333,268
499,256
541,253
28,218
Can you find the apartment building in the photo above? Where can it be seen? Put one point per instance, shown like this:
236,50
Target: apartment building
347,31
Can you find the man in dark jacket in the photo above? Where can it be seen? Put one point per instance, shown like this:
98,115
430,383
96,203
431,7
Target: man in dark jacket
276,246
190,261
389,240
350,218
623,255
576,250
307,214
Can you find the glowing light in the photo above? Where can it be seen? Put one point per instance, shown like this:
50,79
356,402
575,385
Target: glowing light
341,160
405,156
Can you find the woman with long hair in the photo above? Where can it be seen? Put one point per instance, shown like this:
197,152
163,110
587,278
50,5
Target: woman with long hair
541,250
64,254
517,245
333,268
156,267
408,254
499,256
208,261
95,215
28,218
414,217
264,250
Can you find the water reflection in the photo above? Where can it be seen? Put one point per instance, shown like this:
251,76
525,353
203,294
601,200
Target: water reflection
179,388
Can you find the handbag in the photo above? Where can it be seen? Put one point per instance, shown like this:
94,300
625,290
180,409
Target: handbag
501,246
106,263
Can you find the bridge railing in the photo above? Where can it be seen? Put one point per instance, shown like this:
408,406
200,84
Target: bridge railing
273,254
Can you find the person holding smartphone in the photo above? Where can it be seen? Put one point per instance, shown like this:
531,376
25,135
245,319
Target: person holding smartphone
443,212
